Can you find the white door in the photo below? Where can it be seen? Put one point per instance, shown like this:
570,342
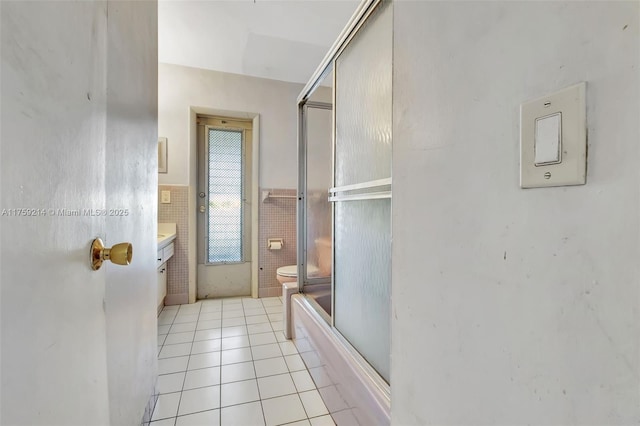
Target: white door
224,207
78,346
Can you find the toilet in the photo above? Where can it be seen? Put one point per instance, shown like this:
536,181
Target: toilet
289,273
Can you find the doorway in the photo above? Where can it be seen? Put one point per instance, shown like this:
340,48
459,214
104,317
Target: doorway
224,194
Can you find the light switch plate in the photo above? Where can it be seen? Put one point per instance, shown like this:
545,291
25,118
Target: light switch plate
165,197
572,166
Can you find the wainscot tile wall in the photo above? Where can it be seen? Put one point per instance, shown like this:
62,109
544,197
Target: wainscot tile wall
277,220
177,212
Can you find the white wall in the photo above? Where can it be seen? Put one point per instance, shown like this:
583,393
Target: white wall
513,306
181,88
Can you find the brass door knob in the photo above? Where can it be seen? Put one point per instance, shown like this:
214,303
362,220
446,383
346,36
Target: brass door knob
119,254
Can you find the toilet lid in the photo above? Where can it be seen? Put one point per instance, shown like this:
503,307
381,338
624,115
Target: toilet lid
292,271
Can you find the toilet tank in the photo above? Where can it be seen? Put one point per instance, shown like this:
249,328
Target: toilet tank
323,246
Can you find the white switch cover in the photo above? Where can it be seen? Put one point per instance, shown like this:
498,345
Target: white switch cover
165,197
553,139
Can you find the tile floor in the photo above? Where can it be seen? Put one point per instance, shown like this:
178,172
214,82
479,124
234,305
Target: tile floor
227,362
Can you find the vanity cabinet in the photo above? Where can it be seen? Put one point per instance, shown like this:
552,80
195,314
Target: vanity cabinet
163,255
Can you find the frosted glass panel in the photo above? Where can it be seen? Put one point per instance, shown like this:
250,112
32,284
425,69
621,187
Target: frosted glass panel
363,103
319,158
363,278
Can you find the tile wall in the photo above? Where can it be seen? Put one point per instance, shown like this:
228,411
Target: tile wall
277,220
177,212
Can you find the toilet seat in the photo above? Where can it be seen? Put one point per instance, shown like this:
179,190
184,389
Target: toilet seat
291,271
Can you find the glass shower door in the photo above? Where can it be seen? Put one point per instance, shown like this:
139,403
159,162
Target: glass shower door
317,265
362,190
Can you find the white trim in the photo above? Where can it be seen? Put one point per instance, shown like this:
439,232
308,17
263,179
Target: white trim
193,192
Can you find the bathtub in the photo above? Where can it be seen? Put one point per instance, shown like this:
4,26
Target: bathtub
352,391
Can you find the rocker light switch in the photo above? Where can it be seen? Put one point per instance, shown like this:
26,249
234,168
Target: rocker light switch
165,197
553,139
548,139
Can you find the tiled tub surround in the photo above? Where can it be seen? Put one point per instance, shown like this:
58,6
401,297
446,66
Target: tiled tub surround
227,362
345,383
277,220
178,267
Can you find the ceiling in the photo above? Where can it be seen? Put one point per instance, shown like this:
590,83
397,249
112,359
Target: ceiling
281,40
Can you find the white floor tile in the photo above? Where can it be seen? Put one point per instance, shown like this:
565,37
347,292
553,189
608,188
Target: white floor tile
249,312
238,372
226,314
170,308
280,336
294,362
191,308
284,409
322,421
243,415
277,326
181,319
300,423
271,301
345,417
232,322
206,308
313,404
210,316
264,327
270,367
266,351
303,380
202,378
201,399
215,333
273,386
233,356
167,406
311,359
303,345
320,377
332,399
208,418
169,383
203,346
165,320
239,393
163,329
252,305
166,422
251,302
205,325
161,339
231,301
240,330
180,349
172,365
257,319
180,328
209,359
288,348
273,309
235,342
275,317
175,338
262,338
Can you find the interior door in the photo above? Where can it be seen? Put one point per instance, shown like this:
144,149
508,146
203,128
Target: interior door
78,346
224,207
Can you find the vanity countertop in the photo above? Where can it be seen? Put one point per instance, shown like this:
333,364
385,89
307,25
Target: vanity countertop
166,234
